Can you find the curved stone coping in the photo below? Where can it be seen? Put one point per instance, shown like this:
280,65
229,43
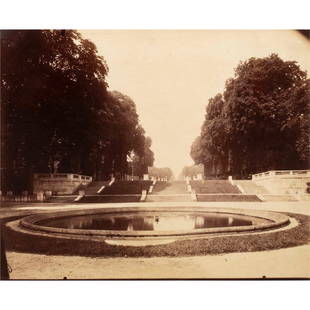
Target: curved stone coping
273,219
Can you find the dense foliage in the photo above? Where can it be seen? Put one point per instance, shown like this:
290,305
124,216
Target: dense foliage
260,122
192,171
141,161
56,112
160,173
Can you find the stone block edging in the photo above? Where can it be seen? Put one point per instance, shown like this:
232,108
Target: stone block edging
275,220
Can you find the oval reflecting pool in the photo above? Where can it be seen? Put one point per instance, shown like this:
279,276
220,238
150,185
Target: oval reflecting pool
151,221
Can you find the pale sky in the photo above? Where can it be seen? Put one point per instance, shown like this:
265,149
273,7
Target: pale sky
171,74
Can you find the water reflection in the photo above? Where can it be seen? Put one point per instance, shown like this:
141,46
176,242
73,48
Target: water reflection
150,222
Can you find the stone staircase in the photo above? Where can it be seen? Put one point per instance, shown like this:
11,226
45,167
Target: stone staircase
221,191
214,187
160,186
250,187
173,192
119,191
94,187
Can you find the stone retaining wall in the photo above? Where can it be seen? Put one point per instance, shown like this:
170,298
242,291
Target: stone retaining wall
59,183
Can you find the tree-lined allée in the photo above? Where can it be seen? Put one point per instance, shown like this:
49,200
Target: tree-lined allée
57,114
260,122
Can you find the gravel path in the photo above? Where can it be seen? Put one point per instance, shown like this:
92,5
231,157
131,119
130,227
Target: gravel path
284,263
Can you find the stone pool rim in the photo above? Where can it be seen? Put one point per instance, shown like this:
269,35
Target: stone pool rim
277,220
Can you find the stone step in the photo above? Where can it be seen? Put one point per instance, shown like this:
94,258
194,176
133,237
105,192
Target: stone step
214,187
250,187
227,197
169,198
110,198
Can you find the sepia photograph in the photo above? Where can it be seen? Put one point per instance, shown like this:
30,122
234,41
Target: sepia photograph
146,145
155,154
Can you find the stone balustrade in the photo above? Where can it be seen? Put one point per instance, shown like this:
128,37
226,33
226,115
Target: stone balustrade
281,173
64,176
59,183
283,181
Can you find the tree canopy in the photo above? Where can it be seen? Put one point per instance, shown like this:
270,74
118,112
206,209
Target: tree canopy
56,111
259,123
192,171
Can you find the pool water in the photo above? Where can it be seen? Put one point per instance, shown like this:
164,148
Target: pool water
150,221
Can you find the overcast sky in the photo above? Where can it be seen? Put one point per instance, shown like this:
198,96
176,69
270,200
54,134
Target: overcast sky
171,74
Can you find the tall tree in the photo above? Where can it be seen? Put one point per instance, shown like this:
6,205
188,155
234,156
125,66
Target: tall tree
53,83
192,171
143,157
56,112
260,123
258,103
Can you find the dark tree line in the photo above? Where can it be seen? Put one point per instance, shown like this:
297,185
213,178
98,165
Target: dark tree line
261,121
57,114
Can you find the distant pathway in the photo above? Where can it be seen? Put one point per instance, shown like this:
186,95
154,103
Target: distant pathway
174,192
